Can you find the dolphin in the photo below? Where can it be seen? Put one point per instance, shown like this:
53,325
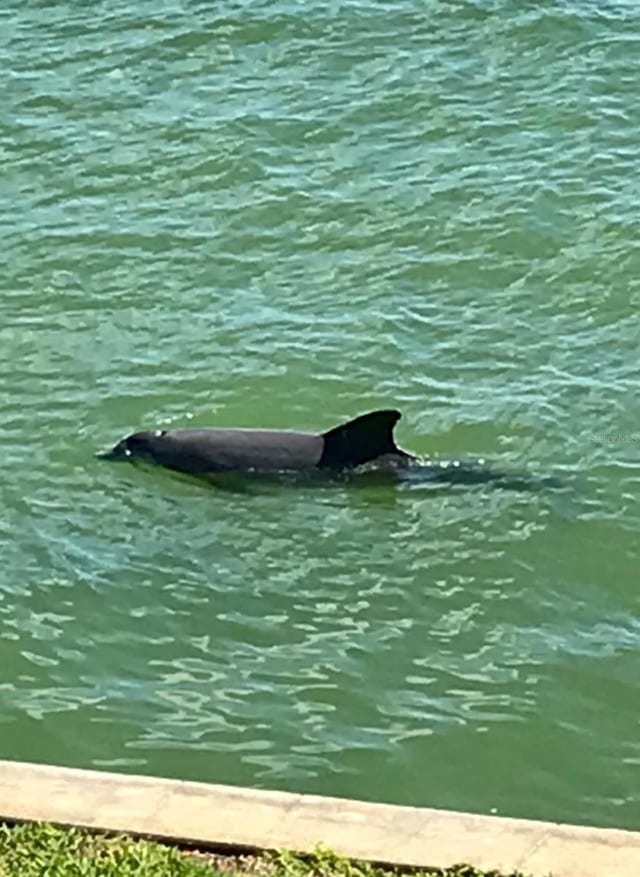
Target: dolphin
363,444
208,451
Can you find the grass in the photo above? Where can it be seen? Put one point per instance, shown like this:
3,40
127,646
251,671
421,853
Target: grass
41,850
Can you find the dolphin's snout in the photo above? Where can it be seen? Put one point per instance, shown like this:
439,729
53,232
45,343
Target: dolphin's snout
117,452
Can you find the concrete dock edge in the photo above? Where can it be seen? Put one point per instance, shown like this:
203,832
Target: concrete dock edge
215,816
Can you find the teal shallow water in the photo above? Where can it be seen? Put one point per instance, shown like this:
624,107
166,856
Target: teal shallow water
281,215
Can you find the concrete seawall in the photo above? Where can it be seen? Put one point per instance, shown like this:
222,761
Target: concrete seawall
213,816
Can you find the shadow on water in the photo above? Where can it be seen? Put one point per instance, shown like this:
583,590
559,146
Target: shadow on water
421,475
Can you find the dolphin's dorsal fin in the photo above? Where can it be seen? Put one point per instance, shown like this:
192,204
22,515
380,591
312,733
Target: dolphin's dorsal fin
361,440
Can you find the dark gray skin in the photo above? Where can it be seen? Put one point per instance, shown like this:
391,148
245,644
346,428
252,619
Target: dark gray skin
368,439
209,451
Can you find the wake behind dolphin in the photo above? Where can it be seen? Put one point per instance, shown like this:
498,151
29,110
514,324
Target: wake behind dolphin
363,445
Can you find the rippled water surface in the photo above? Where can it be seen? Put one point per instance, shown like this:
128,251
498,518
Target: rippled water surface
283,214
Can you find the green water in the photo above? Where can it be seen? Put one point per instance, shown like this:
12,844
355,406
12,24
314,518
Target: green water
283,214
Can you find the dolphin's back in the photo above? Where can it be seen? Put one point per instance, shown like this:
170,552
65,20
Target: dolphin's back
202,451
224,450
